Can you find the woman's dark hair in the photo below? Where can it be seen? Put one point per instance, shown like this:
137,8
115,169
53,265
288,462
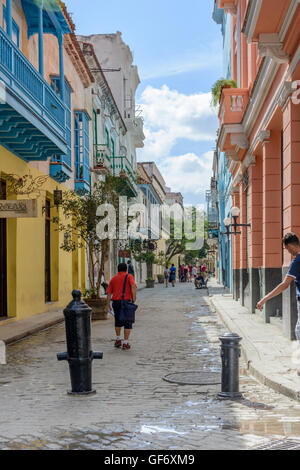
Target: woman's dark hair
122,268
290,239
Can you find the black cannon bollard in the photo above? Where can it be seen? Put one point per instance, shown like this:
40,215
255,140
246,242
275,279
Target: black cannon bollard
230,354
79,355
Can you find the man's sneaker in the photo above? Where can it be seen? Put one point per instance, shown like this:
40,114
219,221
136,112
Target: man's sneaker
126,346
118,343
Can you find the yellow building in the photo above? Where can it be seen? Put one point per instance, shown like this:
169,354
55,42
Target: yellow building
45,141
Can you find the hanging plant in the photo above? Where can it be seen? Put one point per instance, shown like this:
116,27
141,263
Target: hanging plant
216,90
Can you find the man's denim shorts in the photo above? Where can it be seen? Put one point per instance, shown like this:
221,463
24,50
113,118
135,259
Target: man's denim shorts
118,324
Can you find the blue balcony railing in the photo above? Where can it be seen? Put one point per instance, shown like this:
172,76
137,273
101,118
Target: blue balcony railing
30,89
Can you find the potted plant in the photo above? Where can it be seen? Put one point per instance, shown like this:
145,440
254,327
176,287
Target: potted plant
217,88
79,226
150,283
143,251
160,278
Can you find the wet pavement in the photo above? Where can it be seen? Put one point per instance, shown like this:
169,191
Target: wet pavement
134,408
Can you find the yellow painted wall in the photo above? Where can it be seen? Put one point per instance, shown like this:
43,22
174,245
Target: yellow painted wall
26,253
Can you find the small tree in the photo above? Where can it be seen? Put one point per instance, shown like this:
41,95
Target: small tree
144,252
80,227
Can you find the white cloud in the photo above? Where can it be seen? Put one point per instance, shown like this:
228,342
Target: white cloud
169,117
188,173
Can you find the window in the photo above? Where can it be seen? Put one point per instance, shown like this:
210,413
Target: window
112,148
82,147
95,122
15,28
55,85
107,137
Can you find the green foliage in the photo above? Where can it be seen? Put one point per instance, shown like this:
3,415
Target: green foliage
80,226
217,89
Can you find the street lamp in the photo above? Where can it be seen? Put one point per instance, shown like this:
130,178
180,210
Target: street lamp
235,212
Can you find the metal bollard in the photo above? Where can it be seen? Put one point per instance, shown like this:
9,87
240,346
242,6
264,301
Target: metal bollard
79,355
230,354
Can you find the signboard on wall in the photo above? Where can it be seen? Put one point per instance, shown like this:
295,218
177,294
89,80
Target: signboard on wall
18,209
124,253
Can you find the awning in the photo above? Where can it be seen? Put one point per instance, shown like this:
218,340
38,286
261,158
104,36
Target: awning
53,19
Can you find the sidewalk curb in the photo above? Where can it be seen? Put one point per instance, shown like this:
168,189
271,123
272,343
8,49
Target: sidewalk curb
254,364
33,330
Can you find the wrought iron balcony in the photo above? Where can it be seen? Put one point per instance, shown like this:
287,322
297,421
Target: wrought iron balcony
122,168
102,160
32,115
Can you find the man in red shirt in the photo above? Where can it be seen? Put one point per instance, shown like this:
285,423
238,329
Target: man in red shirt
114,293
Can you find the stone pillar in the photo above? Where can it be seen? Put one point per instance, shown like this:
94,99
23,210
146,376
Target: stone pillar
272,225
243,244
236,253
255,215
291,203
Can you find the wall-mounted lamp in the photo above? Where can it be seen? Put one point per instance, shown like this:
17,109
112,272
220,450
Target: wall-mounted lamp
235,212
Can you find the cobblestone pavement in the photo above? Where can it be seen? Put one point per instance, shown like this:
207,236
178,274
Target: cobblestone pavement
134,408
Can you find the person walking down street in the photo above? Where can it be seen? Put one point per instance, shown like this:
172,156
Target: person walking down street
185,273
166,275
114,294
292,245
172,277
130,268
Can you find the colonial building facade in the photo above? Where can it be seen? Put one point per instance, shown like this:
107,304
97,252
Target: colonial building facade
259,133
45,137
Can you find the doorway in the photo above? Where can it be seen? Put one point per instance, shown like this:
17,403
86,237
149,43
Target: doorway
3,257
48,251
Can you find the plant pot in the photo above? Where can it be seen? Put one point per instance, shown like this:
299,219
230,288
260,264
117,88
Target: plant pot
160,279
150,283
98,307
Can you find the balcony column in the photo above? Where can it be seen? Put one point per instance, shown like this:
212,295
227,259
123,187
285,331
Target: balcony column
41,39
61,64
9,17
272,223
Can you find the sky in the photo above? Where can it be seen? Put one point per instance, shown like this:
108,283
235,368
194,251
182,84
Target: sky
178,50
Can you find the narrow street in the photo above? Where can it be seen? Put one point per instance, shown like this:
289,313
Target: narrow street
134,408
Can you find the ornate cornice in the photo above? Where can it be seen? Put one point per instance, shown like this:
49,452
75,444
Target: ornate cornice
269,45
231,155
264,136
239,140
285,93
230,8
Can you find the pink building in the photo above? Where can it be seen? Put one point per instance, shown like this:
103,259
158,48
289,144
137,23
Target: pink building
260,134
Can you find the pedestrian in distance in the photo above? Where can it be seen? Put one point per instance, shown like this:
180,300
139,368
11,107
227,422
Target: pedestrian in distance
194,272
181,272
185,270
114,294
172,277
190,273
292,244
166,275
130,268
